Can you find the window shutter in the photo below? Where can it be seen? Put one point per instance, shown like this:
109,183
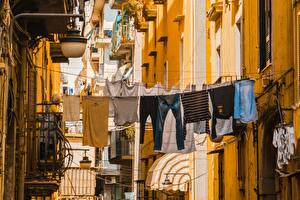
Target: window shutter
268,17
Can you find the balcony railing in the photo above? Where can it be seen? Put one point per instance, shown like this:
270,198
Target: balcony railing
123,35
48,154
50,150
102,42
121,148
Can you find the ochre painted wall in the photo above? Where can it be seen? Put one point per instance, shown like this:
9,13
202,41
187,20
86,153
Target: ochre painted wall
283,51
47,71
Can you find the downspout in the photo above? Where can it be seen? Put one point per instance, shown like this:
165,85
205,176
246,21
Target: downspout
255,140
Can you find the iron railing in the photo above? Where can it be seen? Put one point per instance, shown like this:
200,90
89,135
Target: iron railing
120,148
51,151
123,32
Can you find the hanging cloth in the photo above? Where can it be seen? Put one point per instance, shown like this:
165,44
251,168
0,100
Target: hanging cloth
71,108
284,141
95,121
165,104
196,108
125,109
169,144
245,110
222,100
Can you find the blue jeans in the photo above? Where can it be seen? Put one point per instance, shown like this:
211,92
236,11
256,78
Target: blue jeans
165,103
244,102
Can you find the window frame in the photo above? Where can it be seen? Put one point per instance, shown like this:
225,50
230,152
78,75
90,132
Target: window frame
265,34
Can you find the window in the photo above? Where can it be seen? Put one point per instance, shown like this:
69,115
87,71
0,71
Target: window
241,163
265,33
221,175
298,55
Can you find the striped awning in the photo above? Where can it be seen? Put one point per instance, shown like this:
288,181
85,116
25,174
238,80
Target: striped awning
175,167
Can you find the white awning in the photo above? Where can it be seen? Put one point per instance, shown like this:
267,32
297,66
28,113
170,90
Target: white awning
175,167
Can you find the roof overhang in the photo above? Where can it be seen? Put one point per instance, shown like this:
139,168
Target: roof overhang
42,25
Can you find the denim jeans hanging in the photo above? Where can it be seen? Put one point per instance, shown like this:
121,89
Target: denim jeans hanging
165,103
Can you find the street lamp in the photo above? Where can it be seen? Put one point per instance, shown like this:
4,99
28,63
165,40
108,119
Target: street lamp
167,180
85,163
73,44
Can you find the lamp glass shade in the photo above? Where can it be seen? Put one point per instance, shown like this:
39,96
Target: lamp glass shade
73,46
167,181
85,163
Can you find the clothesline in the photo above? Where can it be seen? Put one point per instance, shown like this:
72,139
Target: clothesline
195,108
196,76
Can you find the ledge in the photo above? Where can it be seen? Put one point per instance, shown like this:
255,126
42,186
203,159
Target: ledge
152,53
159,1
163,39
145,65
178,18
215,11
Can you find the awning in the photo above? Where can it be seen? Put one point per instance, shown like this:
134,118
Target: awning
175,167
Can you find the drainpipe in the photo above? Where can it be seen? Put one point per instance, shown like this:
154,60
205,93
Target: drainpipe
255,140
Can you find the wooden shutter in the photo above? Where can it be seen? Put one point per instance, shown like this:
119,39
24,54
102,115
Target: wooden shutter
268,23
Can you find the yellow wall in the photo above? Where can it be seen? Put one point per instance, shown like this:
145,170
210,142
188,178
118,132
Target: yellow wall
282,49
47,71
168,52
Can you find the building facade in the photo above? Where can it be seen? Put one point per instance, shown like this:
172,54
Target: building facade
256,40
171,55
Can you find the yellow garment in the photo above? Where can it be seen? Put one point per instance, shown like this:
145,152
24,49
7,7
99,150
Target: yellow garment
95,121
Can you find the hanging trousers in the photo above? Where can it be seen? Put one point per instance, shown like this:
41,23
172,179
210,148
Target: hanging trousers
148,106
165,103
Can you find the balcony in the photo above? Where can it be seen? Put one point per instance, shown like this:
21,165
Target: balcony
121,148
159,1
215,11
150,12
50,155
95,54
116,4
123,36
102,42
142,26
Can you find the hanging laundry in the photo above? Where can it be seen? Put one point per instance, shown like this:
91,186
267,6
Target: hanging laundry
169,136
125,109
112,89
196,108
155,90
201,127
71,108
284,141
95,121
244,101
129,90
148,106
222,99
166,103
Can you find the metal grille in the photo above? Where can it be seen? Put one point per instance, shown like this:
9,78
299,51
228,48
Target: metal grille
78,183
